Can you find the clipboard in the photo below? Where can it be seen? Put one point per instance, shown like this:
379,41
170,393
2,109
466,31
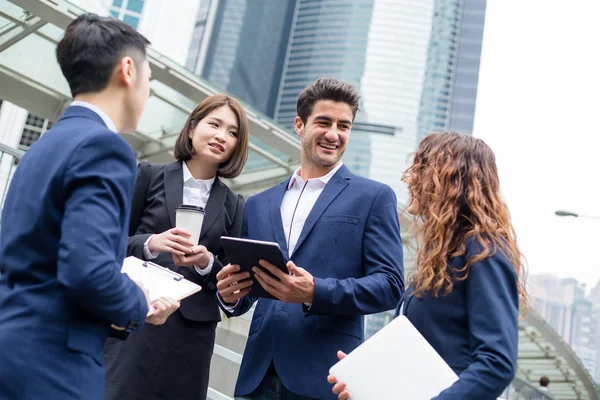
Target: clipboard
160,281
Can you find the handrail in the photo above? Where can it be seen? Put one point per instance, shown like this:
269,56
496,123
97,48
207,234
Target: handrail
8,156
18,154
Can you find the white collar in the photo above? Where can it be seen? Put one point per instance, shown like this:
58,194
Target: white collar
187,175
107,121
324,179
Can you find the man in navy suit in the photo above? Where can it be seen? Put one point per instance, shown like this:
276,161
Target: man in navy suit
342,235
65,219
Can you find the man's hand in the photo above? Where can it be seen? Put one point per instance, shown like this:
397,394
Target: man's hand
146,294
296,287
339,388
199,256
232,284
162,309
175,241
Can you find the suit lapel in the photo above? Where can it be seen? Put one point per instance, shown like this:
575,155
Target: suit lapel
214,206
275,214
332,190
173,188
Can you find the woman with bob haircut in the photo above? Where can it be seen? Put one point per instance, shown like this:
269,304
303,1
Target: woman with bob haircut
464,296
173,361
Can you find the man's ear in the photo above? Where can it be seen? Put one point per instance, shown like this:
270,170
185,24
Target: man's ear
125,71
299,126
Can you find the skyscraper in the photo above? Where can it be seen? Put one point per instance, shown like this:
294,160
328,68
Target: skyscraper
328,39
452,70
245,43
563,304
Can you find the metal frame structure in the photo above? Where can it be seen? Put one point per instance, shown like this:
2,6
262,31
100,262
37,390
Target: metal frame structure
48,102
542,352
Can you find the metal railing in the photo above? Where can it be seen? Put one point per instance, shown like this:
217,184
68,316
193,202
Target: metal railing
9,158
522,389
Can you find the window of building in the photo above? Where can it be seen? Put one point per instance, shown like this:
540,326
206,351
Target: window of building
128,11
34,128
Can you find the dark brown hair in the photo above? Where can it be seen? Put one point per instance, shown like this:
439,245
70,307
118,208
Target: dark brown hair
184,150
91,48
327,89
455,182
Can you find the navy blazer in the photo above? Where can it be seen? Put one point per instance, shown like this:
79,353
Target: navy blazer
351,244
475,328
63,241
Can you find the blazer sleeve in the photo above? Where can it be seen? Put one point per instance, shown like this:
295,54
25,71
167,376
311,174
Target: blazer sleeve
210,280
493,312
99,182
135,243
245,303
383,284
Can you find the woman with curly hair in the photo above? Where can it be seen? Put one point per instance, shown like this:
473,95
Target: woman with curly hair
464,297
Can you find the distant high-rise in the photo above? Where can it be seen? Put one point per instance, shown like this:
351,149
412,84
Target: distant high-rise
452,71
563,304
239,46
328,39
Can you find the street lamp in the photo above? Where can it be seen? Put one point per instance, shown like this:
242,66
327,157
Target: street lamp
563,213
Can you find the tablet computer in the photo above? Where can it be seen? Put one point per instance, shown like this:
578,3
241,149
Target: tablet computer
247,253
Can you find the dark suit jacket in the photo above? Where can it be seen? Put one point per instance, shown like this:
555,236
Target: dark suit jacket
63,243
351,244
475,328
158,192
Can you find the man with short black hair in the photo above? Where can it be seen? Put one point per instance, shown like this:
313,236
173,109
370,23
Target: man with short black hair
544,383
65,222
342,236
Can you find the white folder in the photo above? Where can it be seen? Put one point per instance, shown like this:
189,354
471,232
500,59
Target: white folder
395,363
160,281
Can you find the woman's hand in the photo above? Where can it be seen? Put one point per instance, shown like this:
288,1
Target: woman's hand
200,256
339,388
175,241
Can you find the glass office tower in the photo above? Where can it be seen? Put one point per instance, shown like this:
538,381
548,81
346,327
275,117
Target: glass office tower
452,71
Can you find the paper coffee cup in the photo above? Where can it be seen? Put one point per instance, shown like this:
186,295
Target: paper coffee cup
190,218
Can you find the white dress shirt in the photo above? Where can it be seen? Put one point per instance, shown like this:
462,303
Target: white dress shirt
196,193
298,201
105,118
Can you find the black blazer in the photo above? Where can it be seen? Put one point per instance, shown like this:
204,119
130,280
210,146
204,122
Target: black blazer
158,192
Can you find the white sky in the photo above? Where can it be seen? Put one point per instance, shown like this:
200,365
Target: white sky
538,107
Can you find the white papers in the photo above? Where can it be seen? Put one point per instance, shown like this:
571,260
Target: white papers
395,363
159,281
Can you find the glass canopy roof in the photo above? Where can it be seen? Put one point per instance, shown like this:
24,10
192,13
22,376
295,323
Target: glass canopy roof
31,78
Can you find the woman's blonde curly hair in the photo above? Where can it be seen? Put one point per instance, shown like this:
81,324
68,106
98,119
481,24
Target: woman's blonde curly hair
454,180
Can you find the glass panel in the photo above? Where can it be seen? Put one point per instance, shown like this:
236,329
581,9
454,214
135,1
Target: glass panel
114,13
13,11
165,113
135,5
52,31
117,3
24,59
131,21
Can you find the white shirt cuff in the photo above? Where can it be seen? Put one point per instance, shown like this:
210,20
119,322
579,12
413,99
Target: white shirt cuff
227,307
149,255
206,270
